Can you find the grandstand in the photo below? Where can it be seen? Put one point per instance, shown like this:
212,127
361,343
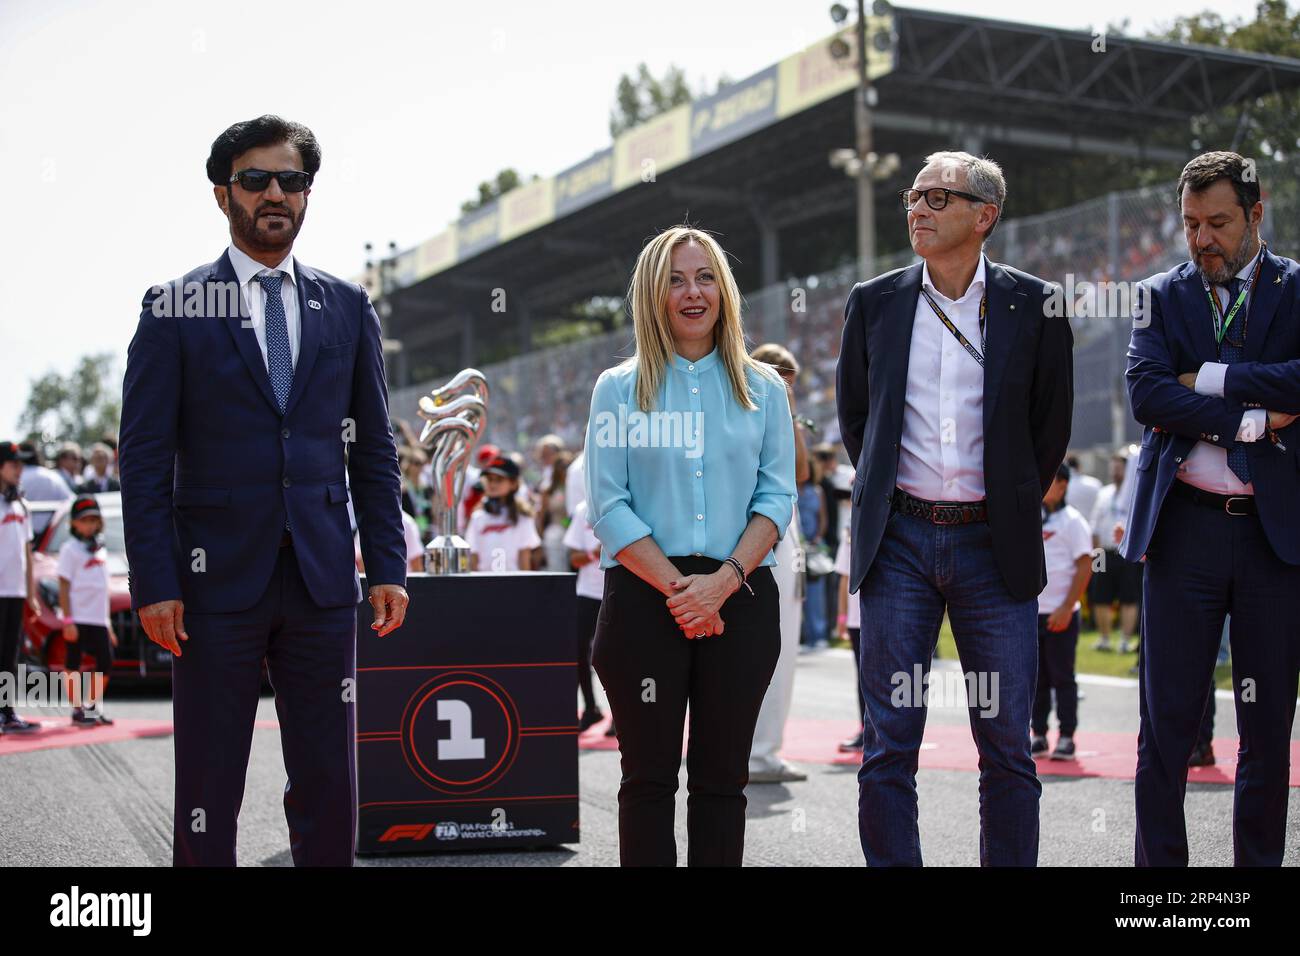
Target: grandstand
751,164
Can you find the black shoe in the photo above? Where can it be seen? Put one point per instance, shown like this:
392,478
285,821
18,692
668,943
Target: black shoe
1201,757
852,744
590,718
102,719
1037,745
83,719
15,724
1064,749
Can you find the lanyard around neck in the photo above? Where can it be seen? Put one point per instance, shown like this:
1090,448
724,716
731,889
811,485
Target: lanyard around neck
965,342
1221,322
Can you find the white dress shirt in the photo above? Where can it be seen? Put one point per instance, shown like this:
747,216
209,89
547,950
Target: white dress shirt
254,297
1206,465
941,457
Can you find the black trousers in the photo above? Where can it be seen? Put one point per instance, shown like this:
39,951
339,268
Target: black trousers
651,672
11,636
588,613
310,652
1056,654
1203,564
92,641
1205,736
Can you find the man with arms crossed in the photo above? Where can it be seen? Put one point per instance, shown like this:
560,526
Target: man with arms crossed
1214,375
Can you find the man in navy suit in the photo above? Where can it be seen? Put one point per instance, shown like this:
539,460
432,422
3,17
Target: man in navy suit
955,391
1214,376
252,384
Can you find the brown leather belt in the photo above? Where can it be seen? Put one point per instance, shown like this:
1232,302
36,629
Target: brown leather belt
939,512
1239,506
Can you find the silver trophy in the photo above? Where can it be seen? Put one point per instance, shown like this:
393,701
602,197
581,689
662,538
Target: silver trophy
455,417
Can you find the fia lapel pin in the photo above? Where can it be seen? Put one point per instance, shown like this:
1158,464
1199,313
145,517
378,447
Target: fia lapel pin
313,303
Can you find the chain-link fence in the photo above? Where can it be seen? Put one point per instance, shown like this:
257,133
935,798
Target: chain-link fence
1095,250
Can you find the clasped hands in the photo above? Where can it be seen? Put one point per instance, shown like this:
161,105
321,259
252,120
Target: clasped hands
698,598
1276,420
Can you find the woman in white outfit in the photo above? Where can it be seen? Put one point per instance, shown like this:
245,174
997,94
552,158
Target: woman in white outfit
765,763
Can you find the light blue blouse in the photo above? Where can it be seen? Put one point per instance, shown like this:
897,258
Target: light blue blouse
693,470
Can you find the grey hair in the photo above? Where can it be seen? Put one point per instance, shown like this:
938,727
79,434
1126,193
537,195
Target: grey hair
983,178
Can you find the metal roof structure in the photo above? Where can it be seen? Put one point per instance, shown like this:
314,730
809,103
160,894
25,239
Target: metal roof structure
750,164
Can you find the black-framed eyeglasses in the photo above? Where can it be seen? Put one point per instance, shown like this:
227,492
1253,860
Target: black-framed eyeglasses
936,197
256,180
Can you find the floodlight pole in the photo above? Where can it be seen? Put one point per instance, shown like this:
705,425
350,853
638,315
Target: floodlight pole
866,174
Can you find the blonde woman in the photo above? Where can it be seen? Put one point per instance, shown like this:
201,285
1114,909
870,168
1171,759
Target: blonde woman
690,462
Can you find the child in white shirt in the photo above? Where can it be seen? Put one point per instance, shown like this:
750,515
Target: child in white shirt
1067,546
501,531
84,603
17,589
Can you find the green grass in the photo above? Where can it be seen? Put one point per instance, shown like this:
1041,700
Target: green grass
1087,661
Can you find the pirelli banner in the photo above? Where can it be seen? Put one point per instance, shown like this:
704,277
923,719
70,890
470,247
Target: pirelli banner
638,156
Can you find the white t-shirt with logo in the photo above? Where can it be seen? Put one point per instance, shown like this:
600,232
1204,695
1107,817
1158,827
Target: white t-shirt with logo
15,533
87,577
497,542
581,537
1066,537
842,558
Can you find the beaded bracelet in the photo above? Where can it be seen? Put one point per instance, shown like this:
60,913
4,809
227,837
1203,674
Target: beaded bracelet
740,572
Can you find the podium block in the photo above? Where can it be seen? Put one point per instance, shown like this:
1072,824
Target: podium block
467,734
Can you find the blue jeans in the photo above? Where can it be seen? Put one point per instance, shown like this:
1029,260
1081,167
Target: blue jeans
920,570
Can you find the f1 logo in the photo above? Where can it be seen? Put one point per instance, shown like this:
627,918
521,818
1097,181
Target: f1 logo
406,831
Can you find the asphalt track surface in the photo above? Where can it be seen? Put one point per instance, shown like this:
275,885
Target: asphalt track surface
110,803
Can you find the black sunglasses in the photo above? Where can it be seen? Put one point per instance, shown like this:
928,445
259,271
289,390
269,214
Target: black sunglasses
935,197
256,180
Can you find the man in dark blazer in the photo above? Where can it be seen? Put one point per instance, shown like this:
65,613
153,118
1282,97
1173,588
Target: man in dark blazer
1214,376
254,388
955,390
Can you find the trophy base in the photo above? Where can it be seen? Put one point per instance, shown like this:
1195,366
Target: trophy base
447,554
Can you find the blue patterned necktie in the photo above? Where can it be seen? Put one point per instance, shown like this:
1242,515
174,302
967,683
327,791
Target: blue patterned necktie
279,360
1231,349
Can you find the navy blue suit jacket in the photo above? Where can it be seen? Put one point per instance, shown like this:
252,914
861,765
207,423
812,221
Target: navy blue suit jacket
208,462
1028,404
1172,334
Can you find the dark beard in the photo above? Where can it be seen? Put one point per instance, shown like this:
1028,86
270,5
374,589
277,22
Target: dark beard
1232,264
244,228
